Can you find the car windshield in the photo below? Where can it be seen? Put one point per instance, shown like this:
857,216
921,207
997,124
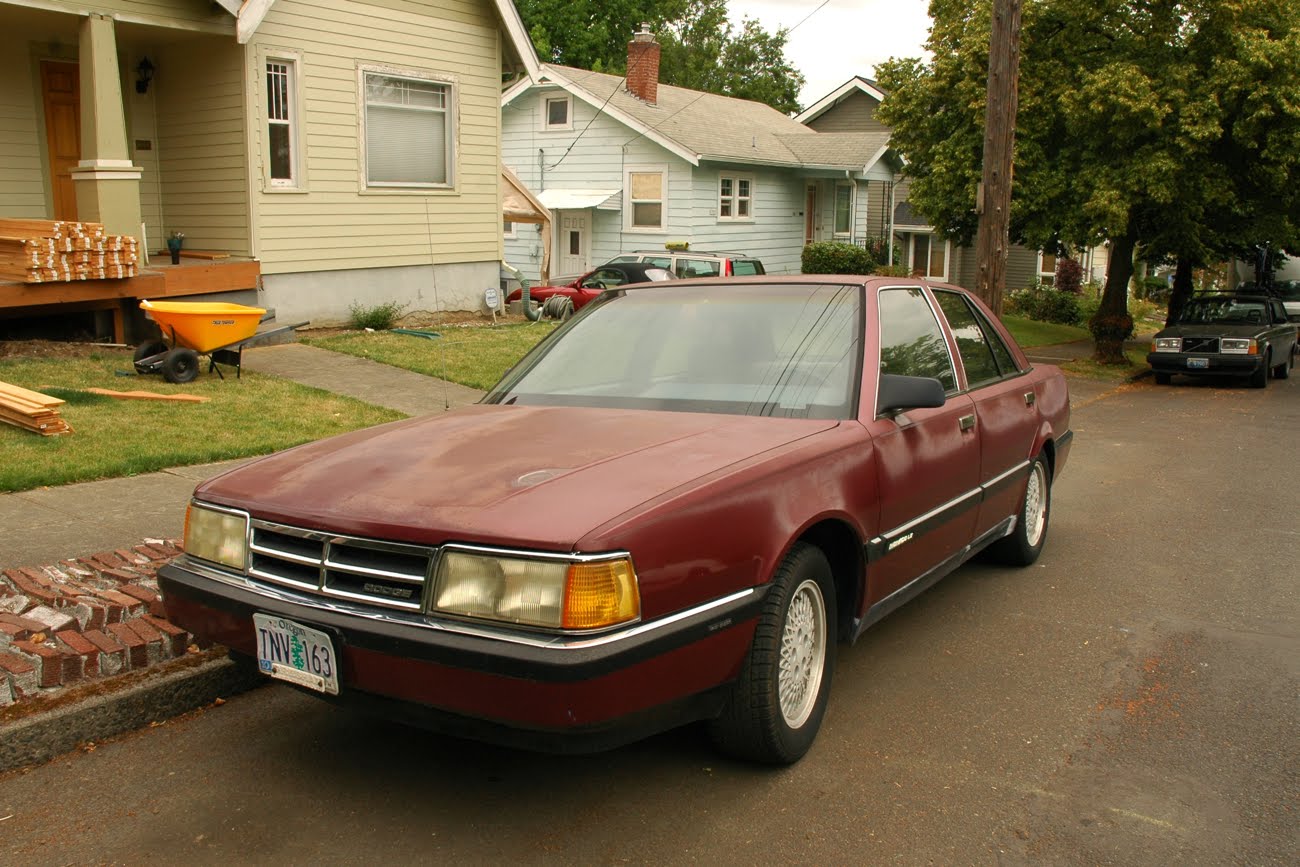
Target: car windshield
1223,311
782,350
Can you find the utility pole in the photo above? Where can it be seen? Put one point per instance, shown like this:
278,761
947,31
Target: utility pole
993,201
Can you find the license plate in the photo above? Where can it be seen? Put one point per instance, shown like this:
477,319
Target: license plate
1201,363
299,654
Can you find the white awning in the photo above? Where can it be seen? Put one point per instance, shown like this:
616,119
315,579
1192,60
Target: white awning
576,200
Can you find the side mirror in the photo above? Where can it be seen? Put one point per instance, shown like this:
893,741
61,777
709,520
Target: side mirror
900,393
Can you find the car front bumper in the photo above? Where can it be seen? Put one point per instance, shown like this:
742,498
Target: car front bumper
577,694
1216,365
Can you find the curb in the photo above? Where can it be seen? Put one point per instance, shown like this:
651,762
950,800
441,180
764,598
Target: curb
160,695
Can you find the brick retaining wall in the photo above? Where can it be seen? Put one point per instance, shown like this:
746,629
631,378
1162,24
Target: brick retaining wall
82,619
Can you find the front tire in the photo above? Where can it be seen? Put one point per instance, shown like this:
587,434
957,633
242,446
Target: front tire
1025,543
775,708
1164,378
1259,379
180,366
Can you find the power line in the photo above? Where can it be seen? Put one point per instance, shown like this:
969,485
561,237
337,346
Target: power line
807,16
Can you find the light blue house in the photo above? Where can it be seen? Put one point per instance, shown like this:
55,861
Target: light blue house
628,164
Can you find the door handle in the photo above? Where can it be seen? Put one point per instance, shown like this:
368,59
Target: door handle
1030,398
966,422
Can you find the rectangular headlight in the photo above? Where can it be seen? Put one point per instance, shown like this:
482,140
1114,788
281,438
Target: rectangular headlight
219,536
554,594
1238,346
1167,344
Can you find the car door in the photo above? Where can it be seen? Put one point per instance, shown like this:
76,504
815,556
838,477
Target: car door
1006,411
927,459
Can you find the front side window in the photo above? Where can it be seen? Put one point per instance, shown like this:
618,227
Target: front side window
735,197
843,209
407,131
281,123
645,197
911,342
785,350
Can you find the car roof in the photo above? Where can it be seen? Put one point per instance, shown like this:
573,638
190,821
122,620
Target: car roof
689,253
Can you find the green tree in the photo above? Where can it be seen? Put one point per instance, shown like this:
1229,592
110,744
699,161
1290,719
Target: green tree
700,48
1173,124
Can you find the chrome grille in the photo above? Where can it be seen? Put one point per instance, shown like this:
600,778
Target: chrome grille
1200,344
387,574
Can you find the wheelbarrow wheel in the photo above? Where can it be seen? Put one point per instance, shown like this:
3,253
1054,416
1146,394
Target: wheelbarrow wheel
148,349
180,365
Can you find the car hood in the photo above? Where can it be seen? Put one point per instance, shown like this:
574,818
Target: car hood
1213,330
531,476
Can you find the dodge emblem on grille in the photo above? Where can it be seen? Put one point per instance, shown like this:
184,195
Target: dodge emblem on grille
385,590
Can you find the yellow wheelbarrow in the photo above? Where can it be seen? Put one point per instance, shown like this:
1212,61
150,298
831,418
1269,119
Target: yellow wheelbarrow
217,330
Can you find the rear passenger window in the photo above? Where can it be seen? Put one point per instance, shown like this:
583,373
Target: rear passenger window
698,268
911,342
664,262
746,267
972,345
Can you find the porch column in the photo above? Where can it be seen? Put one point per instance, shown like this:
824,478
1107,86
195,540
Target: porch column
108,185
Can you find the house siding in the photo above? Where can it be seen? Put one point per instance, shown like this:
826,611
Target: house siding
201,147
22,165
332,223
856,113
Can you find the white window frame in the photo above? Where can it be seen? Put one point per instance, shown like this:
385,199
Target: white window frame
629,202
512,232
947,255
297,180
547,99
1047,278
835,209
452,127
735,198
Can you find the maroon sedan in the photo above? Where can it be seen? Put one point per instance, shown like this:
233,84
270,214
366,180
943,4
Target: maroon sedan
670,510
584,290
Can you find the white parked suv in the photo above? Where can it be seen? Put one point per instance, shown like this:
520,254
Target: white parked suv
690,263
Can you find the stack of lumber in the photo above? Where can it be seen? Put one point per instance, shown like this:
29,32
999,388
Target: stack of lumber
50,251
31,410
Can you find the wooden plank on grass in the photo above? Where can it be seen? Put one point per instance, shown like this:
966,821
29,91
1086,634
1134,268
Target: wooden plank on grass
148,395
11,390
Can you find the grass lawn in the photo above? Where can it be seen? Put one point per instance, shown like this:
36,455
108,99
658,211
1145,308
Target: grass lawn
1030,332
474,355
1089,369
250,416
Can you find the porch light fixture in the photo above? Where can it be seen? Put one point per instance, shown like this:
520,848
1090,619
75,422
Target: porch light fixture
143,75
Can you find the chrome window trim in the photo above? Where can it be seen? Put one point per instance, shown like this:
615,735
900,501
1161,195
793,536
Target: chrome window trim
547,641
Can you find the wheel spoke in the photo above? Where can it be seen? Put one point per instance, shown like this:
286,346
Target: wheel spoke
802,658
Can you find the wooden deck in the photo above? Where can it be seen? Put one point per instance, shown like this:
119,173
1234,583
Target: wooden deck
160,279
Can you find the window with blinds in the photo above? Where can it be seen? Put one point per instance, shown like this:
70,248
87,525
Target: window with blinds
408,132
645,198
281,157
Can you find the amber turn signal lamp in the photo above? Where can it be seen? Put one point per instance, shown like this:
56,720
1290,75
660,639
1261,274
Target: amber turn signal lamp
600,594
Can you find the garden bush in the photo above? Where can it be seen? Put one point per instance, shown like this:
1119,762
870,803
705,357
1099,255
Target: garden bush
1069,275
835,257
379,317
1044,304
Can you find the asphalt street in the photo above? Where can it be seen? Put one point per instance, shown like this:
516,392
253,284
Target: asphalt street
1130,699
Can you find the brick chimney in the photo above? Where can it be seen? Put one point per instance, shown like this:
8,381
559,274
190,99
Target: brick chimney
643,65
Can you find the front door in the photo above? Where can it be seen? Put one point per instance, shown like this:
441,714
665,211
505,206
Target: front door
574,242
810,215
61,93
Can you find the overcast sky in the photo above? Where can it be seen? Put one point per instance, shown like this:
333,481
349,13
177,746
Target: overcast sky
842,39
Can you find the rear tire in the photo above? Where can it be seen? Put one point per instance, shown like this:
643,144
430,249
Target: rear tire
1025,543
180,366
1259,379
775,708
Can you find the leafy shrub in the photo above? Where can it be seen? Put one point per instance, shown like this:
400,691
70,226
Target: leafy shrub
835,257
380,317
1044,304
893,271
1069,275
